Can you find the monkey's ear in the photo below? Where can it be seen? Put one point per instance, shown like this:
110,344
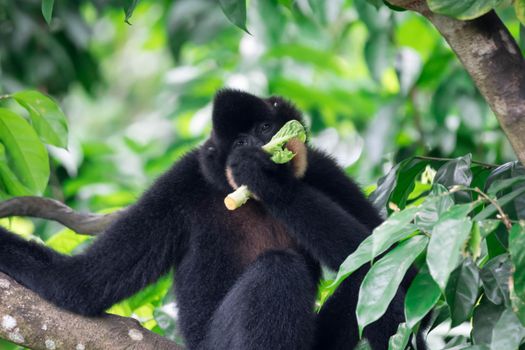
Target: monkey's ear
236,111
300,160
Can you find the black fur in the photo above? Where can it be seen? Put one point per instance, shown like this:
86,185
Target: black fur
245,279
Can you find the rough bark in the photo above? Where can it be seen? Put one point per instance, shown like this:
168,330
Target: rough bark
47,208
494,61
28,320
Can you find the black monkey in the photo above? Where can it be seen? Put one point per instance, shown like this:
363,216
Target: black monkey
244,279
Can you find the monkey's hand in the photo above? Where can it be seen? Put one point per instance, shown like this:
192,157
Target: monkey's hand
268,181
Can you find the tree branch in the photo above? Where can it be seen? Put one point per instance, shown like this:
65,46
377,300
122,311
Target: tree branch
47,208
494,61
30,321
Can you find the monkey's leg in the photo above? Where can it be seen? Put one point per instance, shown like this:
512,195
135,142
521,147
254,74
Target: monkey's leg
269,307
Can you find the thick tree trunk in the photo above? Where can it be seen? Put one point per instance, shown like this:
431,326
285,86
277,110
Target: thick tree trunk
28,320
494,61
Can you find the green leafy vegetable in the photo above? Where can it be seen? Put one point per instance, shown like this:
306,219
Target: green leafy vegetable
293,129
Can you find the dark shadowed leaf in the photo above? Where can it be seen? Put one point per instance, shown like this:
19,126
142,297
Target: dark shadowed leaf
461,292
495,278
486,314
421,297
382,281
500,185
455,172
47,10
235,11
129,8
508,331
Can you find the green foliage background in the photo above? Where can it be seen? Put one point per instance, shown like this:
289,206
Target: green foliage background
382,93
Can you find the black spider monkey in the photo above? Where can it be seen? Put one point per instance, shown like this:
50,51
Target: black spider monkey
244,279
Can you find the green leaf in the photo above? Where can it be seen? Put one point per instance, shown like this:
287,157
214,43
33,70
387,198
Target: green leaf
461,292
507,332
421,297
47,9
378,54
382,281
474,241
491,209
455,172
399,340
11,184
26,154
276,146
495,277
500,185
395,228
363,345
464,9
235,11
517,254
448,237
437,203
486,315
519,7
129,8
46,116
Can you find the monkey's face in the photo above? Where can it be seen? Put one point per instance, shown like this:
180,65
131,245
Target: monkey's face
242,119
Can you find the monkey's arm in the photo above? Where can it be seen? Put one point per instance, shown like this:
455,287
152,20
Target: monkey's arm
324,174
318,222
135,251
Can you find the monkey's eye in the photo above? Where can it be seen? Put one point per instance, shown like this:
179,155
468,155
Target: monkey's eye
239,142
265,127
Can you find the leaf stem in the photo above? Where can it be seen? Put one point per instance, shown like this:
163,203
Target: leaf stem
503,217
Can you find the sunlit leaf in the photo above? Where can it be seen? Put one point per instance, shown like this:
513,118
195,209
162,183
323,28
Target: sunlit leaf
517,254
26,154
437,203
395,228
461,292
519,7
464,9
382,280
46,116
400,340
444,250
421,297
474,241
